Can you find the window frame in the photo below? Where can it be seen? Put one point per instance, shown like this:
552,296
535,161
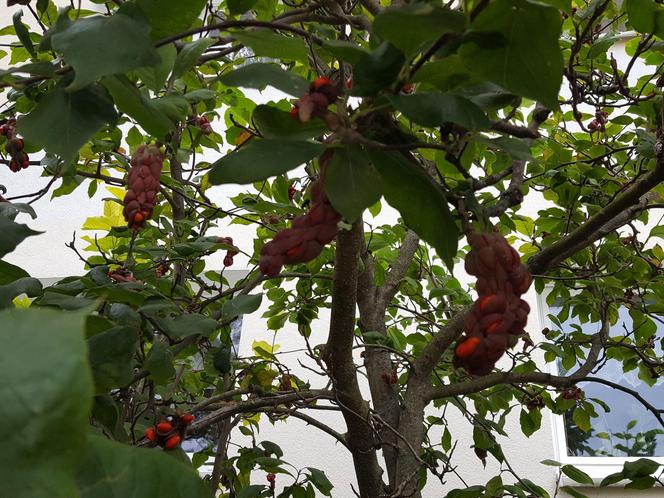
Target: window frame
597,467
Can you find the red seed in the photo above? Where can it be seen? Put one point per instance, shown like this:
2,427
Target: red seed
172,442
320,82
467,347
187,418
164,427
150,434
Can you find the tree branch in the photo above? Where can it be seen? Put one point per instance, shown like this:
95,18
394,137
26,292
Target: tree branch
338,358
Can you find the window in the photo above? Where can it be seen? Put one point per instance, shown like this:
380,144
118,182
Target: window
624,429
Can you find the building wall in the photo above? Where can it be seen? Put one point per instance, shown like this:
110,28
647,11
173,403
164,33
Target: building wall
45,256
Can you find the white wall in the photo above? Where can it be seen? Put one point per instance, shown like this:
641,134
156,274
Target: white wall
46,256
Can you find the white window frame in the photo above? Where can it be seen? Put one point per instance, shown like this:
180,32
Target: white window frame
596,467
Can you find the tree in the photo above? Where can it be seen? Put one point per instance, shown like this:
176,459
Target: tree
452,114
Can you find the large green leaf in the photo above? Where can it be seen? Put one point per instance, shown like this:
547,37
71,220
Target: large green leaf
435,109
420,201
351,182
646,16
261,159
114,470
267,43
155,77
237,7
576,474
46,392
189,324
63,121
413,26
261,75
529,61
377,70
241,305
130,101
274,123
111,355
99,46
12,235
30,286
189,54
23,33
168,17
10,273
160,363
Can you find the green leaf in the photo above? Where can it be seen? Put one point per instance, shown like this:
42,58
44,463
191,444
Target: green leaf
612,479
251,491
155,77
23,33
420,201
130,101
551,463
645,482
436,109
160,363
346,51
518,149
260,75
189,324
222,360
189,55
30,286
639,468
529,62
412,27
241,305
12,235
469,492
320,480
11,209
64,121
274,123
261,159
576,474
377,70
267,43
113,470
237,7
168,17
581,419
646,16
99,46
45,402
351,183
111,354
530,421
573,492
9,273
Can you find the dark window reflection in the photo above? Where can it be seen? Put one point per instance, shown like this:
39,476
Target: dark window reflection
628,429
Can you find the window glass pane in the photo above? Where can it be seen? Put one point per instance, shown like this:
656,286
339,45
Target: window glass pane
628,429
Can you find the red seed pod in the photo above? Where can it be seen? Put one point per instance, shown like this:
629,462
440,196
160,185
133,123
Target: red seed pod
320,82
150,434
291,192
164,427
187,418
142,185
172,442
467,347
228,260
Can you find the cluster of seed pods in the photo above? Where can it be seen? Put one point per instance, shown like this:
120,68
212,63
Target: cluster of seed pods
315,102
142,185
169,432
499,315
14,146
308,234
